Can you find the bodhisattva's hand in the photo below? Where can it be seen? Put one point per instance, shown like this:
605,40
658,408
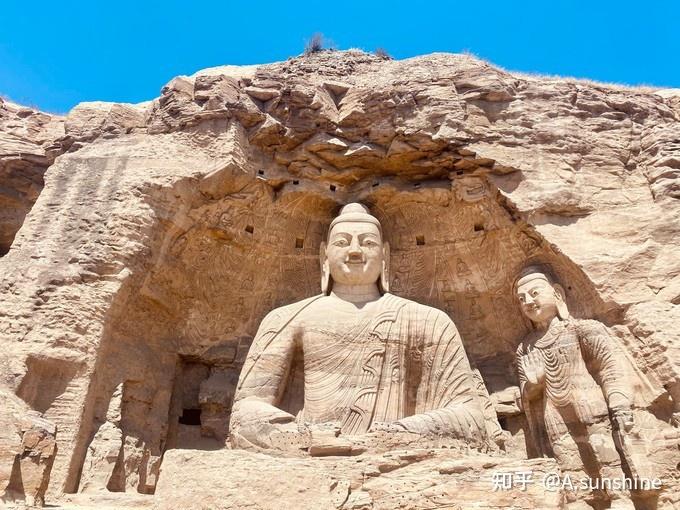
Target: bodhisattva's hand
675,419
623,419
532,364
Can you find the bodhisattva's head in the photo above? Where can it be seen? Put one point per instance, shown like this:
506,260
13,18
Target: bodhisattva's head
355,253
541,299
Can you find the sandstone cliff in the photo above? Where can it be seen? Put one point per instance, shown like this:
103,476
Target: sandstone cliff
166,231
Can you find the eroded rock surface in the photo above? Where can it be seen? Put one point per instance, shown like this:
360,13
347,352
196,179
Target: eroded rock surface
27,148
401,479
27,450
166,231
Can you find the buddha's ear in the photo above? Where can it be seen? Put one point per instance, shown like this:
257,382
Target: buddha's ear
385,273
562,310
325,270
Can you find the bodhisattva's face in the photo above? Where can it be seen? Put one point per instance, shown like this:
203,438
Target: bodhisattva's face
538,300
355,253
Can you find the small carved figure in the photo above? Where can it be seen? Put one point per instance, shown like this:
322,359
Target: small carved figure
576,386
373,362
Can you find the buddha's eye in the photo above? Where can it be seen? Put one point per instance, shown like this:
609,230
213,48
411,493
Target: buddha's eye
534,293
370,243
341,243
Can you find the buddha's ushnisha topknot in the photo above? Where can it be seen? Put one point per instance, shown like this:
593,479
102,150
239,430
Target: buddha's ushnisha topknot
355,212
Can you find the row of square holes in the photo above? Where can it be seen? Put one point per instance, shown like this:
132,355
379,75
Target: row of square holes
300,242
333,187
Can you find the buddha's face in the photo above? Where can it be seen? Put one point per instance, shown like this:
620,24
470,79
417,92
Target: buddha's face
538,299
355,253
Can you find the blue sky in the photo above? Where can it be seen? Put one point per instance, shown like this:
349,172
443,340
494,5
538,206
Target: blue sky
54,54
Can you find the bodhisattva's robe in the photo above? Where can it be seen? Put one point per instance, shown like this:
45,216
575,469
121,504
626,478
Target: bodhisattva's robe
402,362
587,373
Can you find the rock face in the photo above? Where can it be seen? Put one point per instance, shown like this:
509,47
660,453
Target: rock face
27,450
166,231
400,479
27,148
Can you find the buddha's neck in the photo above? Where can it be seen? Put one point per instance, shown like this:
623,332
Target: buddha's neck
544,327
356,293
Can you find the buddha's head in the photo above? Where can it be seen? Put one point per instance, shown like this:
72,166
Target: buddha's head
540,297
354,253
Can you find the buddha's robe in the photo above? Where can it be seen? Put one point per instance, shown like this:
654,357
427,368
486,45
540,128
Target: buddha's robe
399,362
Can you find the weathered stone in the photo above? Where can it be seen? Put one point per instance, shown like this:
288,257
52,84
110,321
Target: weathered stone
166,232
27,451
414,479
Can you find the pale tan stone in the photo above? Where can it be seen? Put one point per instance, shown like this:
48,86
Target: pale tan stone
400,479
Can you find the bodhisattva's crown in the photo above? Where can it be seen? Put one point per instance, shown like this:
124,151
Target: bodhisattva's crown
530,273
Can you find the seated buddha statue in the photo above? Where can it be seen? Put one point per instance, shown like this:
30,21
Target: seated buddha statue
372,362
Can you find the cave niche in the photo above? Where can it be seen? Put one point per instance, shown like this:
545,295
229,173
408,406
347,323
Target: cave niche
183,322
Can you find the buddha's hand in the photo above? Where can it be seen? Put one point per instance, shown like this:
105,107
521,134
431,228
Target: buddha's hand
326,439
381,426
532,365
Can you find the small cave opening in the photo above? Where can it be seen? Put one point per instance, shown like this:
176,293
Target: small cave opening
503,422
191,417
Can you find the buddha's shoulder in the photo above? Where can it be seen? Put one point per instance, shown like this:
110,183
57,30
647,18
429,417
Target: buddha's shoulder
414,307
587,327
289,311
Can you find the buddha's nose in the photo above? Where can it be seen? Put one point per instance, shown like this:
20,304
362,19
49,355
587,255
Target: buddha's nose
354,251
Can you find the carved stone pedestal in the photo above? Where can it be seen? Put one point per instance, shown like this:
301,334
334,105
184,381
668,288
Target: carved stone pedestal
420,479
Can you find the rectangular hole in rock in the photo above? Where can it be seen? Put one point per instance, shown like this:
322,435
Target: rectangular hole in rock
250,229
375,184
479,227
460,172
332,187
190,417
299,243
296,182
420,240
260,172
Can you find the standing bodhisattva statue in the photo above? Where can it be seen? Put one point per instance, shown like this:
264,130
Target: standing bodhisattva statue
372,361
577,387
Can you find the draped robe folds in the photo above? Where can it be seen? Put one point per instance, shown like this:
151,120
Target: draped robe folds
586,374
404,362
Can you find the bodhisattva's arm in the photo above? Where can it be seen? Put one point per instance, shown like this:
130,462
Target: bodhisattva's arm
529,373
255,419
445,402
605,358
